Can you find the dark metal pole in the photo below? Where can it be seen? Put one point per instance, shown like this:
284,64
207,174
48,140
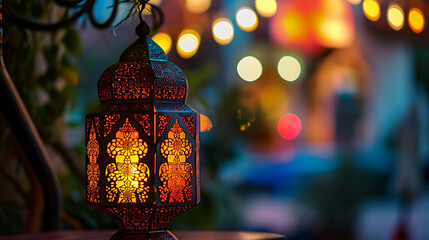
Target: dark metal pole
25,131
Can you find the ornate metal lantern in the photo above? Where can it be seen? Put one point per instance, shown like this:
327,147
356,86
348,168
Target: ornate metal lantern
143,143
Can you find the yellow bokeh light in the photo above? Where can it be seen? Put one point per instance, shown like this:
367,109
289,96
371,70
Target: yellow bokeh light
371,9
198,6
294,25
249,68
188,43
163,40
246,19
355,2
416,20
289,68
266,8
223,31
335,33
156,2
395,17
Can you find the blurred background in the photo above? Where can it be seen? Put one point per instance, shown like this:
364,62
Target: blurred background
320,113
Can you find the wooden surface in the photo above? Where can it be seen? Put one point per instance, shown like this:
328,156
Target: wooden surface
106,234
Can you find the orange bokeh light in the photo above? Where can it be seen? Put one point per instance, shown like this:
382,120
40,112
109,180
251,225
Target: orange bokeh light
416,20
312,25
289,126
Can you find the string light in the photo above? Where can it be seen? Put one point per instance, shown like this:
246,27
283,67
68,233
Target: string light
371,9
188,43
289,126
163,40
223,31
395,17
198,6
416,20
355,2
266,8
246,19
289,68
249,68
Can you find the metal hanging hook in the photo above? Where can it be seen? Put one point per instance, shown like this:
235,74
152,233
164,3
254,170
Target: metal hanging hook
143,28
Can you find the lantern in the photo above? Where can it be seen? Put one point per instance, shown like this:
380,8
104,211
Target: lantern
143,143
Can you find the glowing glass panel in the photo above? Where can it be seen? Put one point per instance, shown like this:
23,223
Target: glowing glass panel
126,176
176,173
93,170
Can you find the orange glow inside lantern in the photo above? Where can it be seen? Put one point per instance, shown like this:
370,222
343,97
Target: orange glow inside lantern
143,144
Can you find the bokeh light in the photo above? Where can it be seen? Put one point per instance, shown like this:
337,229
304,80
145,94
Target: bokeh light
198,6
289,68
354,2
246,19
335,33
249,68
163,40
289,126
266,8
371,9
188,43
395,17
223,31
205,123
156,2
416,20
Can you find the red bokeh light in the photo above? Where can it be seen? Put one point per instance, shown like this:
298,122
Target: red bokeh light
289,126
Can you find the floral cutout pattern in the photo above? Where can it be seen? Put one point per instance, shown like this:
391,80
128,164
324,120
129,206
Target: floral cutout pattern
92,169
176,173
127,177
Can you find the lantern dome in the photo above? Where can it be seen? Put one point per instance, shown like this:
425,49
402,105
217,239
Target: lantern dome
144,74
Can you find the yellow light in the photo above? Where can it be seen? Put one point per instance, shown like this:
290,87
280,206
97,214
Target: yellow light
246,19
266,8
188,43
223,31
198,6
156,2
335,33
205,123
163,40
294,25
249,68
395,17
371,8
289,68
355,2
416,20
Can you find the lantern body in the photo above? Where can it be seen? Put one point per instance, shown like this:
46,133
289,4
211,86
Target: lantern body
143,142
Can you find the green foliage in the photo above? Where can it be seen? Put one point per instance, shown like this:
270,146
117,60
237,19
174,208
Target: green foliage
72,42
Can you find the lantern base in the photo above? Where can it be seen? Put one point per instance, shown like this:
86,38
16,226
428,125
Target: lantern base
141,235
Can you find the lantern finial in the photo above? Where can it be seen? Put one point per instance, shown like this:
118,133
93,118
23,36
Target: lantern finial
143,29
